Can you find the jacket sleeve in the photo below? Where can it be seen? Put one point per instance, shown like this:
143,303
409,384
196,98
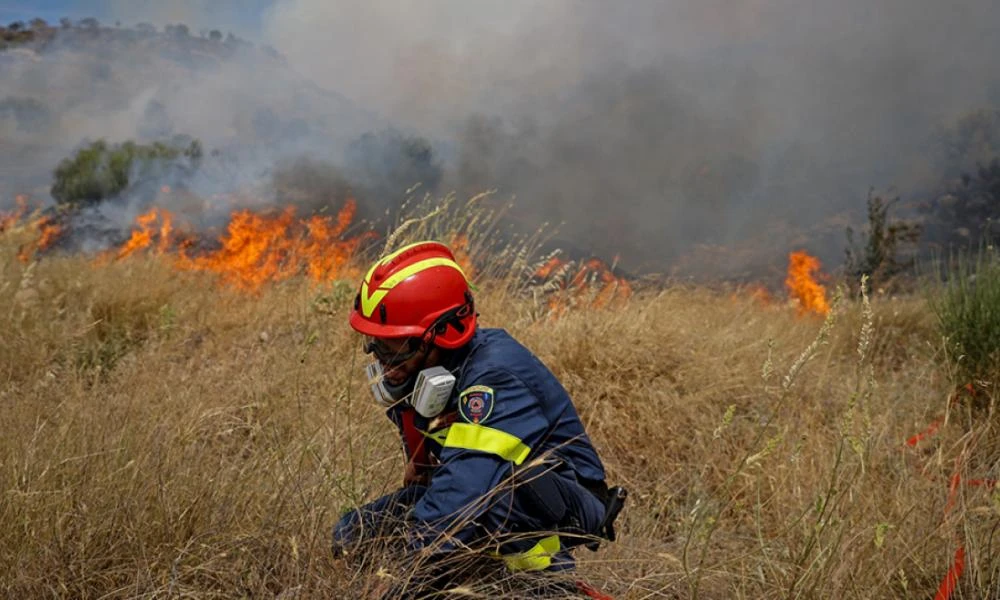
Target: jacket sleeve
475,458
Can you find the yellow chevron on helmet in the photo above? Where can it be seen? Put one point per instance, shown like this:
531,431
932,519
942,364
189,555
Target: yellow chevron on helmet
404,293
370,298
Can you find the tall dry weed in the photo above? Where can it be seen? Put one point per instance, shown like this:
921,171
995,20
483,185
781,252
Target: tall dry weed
167,437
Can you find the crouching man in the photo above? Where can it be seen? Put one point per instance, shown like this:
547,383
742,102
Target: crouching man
497,458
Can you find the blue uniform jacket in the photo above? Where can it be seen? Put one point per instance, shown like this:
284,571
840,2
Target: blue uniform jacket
511,410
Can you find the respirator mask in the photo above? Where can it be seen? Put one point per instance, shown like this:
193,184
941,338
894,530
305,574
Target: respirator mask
429,390
427,393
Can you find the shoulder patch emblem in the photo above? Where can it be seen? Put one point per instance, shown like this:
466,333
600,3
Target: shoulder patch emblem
475,404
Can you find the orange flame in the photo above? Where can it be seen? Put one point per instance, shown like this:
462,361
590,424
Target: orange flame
460,248
802,286
8,220
256,248
592,282
48,232
142,237
549,267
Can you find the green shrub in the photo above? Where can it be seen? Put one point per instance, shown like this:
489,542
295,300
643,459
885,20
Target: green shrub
100,171
968,312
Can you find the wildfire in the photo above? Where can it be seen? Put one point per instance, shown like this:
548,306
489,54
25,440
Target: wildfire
801,284
48,232
256,248
155,223
549,267
259,248
591,282
45,228
460,248
8,220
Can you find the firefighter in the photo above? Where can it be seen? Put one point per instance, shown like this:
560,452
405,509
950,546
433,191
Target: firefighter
497,457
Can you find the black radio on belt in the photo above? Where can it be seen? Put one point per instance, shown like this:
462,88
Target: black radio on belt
613,505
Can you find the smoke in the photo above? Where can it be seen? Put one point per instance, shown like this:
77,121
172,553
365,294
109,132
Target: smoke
251,112
651,126
652,130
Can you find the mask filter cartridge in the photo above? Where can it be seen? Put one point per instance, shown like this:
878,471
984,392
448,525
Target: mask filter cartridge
432,391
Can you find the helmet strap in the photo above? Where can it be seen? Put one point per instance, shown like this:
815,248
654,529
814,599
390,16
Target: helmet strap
452,317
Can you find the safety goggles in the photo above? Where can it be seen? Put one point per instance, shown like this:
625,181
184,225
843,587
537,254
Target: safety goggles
388,355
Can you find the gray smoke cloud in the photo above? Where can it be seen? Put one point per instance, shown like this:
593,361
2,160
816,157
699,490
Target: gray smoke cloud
252,113
659,131
649,126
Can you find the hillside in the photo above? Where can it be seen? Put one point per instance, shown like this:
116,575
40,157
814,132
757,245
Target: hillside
81,82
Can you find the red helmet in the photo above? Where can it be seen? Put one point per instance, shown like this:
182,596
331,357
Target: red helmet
418,291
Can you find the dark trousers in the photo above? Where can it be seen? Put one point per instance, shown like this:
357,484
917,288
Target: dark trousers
536,502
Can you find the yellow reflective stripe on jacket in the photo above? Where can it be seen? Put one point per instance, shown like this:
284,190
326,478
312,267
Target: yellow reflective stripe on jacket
487,439
438,435
538,557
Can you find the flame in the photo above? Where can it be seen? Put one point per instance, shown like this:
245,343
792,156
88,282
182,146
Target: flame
256,248
143,235
460,248
48,232
45,227
592,282
8,220
802,286
259,248
549,267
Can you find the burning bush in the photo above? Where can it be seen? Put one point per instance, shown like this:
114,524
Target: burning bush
802,285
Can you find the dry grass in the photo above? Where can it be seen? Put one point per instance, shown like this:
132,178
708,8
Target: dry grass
162,437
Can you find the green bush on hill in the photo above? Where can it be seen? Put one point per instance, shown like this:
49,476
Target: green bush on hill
101,171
